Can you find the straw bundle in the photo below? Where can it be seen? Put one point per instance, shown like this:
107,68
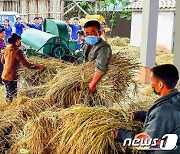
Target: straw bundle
16,115
72,86
77,130
34,92
29,77
117,41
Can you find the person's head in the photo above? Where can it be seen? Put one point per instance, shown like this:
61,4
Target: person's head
80,34
92,31
40,20
15,39
6,22
76,21
164,78
36,20
2,33
18,19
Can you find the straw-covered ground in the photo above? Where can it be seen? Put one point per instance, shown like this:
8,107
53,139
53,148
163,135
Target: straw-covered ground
55,112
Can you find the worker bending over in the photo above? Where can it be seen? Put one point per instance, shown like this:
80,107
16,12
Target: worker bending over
164,116
11,58
96,49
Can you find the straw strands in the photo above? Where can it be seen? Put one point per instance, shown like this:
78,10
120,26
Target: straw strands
16,115
72,86
77,130
30,77
117,41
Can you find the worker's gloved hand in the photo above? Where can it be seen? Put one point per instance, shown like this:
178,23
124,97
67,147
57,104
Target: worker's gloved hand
96,77
42,67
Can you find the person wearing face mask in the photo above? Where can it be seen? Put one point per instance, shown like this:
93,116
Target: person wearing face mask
12,58
164,115
97,50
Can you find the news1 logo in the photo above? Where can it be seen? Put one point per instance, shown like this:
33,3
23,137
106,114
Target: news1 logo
143,141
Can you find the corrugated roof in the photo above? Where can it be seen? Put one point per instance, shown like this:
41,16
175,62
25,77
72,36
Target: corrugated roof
168,5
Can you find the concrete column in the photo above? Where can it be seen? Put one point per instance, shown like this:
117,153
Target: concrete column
148,39
177,37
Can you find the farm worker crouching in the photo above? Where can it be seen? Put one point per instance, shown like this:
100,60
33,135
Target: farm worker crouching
96,49
12,58
2,47
164,116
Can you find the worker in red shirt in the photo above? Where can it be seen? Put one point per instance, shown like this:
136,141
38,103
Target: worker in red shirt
12,58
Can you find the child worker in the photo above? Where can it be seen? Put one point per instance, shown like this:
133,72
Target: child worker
12,58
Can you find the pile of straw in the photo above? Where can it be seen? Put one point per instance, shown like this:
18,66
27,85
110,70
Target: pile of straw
117,41
77,130
164,58
71,85
16,115
30,77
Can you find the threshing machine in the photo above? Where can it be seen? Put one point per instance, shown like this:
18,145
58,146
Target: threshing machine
52,41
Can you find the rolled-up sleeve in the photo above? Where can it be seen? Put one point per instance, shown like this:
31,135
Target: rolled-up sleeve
101,62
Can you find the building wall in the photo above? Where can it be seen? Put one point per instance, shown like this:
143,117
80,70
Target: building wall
122,28
28,9
165,32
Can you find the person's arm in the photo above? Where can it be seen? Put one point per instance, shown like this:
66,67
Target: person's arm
22,25
159,122
101,66
30,25
139,115
96,77
22,60
39,27
122,134
2,60
71,25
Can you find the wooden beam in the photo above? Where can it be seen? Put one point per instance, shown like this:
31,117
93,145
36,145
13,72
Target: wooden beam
48,8
37,8
27,9
70,9
62,9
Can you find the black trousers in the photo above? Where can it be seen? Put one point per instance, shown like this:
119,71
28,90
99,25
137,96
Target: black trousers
11,90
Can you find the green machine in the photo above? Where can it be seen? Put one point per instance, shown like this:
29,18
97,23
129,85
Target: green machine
52,41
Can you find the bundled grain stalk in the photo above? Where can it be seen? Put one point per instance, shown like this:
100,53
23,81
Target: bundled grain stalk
30,77
15,116
76,130
71,86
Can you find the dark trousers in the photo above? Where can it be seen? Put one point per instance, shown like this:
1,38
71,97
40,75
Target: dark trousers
11,89
1,70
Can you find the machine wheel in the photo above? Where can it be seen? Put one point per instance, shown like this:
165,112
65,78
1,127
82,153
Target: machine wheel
59,52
